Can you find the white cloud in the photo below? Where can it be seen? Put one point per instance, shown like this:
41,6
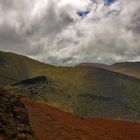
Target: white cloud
51,31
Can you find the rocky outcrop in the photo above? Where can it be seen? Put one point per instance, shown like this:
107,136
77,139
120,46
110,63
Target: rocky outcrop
14,122
35,80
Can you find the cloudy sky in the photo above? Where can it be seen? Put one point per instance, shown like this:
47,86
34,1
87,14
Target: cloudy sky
67,32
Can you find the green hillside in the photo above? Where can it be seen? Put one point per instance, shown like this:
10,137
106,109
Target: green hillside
86,92
15,67
83,91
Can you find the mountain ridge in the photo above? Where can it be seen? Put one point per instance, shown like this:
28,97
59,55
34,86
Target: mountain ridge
98,65
83,91
127,68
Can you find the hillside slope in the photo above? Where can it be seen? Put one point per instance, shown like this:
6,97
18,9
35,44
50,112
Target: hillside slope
52,124
85,92
128,68
14,67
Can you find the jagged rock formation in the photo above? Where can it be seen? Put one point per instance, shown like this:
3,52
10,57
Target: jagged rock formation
14,122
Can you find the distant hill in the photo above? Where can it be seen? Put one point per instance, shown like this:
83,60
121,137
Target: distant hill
128,68
98,65
14,67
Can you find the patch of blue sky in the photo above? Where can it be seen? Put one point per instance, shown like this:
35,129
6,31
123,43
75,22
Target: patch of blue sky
109,2
83,13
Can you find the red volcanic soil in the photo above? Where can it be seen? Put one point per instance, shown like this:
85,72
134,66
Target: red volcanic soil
49,123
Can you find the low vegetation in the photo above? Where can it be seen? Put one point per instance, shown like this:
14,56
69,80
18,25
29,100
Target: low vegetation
83,91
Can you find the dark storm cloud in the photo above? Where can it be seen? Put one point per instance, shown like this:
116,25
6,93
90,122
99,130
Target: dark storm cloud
51,31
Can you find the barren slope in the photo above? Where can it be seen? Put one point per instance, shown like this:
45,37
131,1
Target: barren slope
128,68
52,124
